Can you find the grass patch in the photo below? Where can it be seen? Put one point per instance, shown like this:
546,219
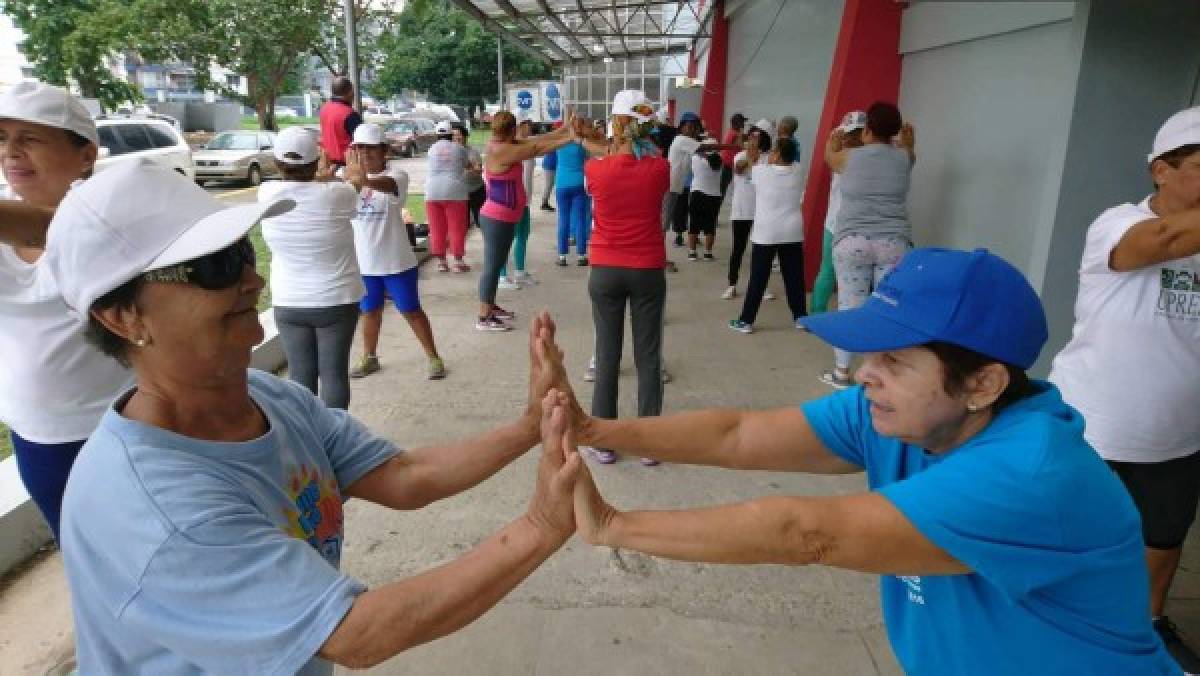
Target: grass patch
251,121
6,448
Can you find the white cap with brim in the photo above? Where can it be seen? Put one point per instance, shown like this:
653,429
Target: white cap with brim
853,120
102,237
50,106
1181,129
296,145
368,134
765,125
443,127
633,102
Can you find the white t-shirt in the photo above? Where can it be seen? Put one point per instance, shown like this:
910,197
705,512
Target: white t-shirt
380,238
778,194
742,207
312,246
705,179
835,202
447,165
680,157
1131,365
54,386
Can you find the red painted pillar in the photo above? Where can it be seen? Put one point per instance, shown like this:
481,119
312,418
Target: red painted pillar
712,101
866,68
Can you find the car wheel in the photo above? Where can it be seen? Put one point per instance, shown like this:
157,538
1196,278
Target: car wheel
254,176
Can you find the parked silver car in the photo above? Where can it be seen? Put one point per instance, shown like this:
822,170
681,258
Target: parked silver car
237,156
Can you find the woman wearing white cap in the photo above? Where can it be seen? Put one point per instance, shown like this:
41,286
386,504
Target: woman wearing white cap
53,385
757,147
385,255
203,525
628,258
872,232
1130,367
446,199
850,135
315,281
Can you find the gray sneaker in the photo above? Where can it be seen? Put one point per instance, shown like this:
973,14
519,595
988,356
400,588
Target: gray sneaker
366,366
437,368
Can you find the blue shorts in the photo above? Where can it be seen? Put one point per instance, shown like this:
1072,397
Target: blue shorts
402,287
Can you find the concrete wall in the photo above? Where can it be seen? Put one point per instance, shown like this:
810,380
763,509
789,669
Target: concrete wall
1140,64
989,88
779,60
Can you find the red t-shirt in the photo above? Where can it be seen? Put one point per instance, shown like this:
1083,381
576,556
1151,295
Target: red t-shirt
335,138
731,137
627,199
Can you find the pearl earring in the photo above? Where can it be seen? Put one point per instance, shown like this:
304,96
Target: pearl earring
140,342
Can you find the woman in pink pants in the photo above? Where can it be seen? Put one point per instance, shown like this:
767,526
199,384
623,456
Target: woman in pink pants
446,199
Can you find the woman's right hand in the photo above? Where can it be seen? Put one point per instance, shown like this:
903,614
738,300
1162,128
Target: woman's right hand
551,509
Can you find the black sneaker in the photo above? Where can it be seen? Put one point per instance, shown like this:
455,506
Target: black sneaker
692,255
546,206
708,257
678,240
1179,651
561,262
582,262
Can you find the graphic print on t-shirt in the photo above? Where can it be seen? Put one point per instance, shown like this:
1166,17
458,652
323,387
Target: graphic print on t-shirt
1179,295
317,516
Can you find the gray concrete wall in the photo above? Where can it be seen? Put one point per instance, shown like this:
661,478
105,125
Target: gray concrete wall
779,61
989,88
1140,64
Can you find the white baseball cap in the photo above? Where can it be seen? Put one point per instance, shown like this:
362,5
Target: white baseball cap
368,134
765,125
1181,129
855,119
633,102
100,238
443,127
48,105
298,142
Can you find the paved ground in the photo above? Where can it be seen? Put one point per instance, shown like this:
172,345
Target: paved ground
588,610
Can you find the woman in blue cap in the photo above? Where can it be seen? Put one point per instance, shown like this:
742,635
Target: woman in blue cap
1004,543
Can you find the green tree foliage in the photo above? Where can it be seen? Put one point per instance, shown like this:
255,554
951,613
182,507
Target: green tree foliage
440,50
66,44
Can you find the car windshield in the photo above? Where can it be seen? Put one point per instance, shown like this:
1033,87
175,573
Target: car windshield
402,128
234,142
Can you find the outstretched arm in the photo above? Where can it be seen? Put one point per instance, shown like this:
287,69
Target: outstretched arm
1157,240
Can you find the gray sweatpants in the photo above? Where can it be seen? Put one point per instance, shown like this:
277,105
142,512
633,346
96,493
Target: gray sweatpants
317,343
645,291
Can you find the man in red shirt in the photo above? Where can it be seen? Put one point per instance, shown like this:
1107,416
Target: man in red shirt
338,121
734,137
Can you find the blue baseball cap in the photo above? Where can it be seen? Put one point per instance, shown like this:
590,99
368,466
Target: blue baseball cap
973,299
689,117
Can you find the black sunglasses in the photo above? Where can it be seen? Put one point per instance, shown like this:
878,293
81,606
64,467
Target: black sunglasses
212,272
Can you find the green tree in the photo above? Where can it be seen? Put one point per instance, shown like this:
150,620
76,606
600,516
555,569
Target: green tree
261,40
66,45
442,51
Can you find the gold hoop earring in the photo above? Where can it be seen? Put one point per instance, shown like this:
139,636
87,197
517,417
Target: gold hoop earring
140,342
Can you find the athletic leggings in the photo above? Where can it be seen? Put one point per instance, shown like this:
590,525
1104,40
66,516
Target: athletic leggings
860,263
317,343
791,266
549,185
497,240
574,218
741,235
823,287
520,244
44,469
447,220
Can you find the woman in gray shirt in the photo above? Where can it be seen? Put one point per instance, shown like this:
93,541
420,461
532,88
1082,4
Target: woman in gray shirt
446,199
872,232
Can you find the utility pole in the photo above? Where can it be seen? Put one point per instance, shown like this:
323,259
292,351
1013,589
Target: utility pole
352,52
500,72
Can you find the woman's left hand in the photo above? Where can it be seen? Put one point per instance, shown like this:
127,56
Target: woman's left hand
356,168
593,516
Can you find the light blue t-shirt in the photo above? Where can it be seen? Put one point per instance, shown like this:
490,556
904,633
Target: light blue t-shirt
198,557
1060,583
571,158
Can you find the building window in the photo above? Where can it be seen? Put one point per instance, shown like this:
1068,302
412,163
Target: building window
233,81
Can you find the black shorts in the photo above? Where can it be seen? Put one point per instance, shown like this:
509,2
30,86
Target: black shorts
702,216
1166,494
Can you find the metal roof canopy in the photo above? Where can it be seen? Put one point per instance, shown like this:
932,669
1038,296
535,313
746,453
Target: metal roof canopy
569,32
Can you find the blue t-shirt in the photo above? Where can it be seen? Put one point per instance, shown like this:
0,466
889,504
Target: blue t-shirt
550,161
189,557
571,158
1054,540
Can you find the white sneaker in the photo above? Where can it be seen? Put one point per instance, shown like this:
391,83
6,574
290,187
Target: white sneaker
525,279
509,284
731,292
767,295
